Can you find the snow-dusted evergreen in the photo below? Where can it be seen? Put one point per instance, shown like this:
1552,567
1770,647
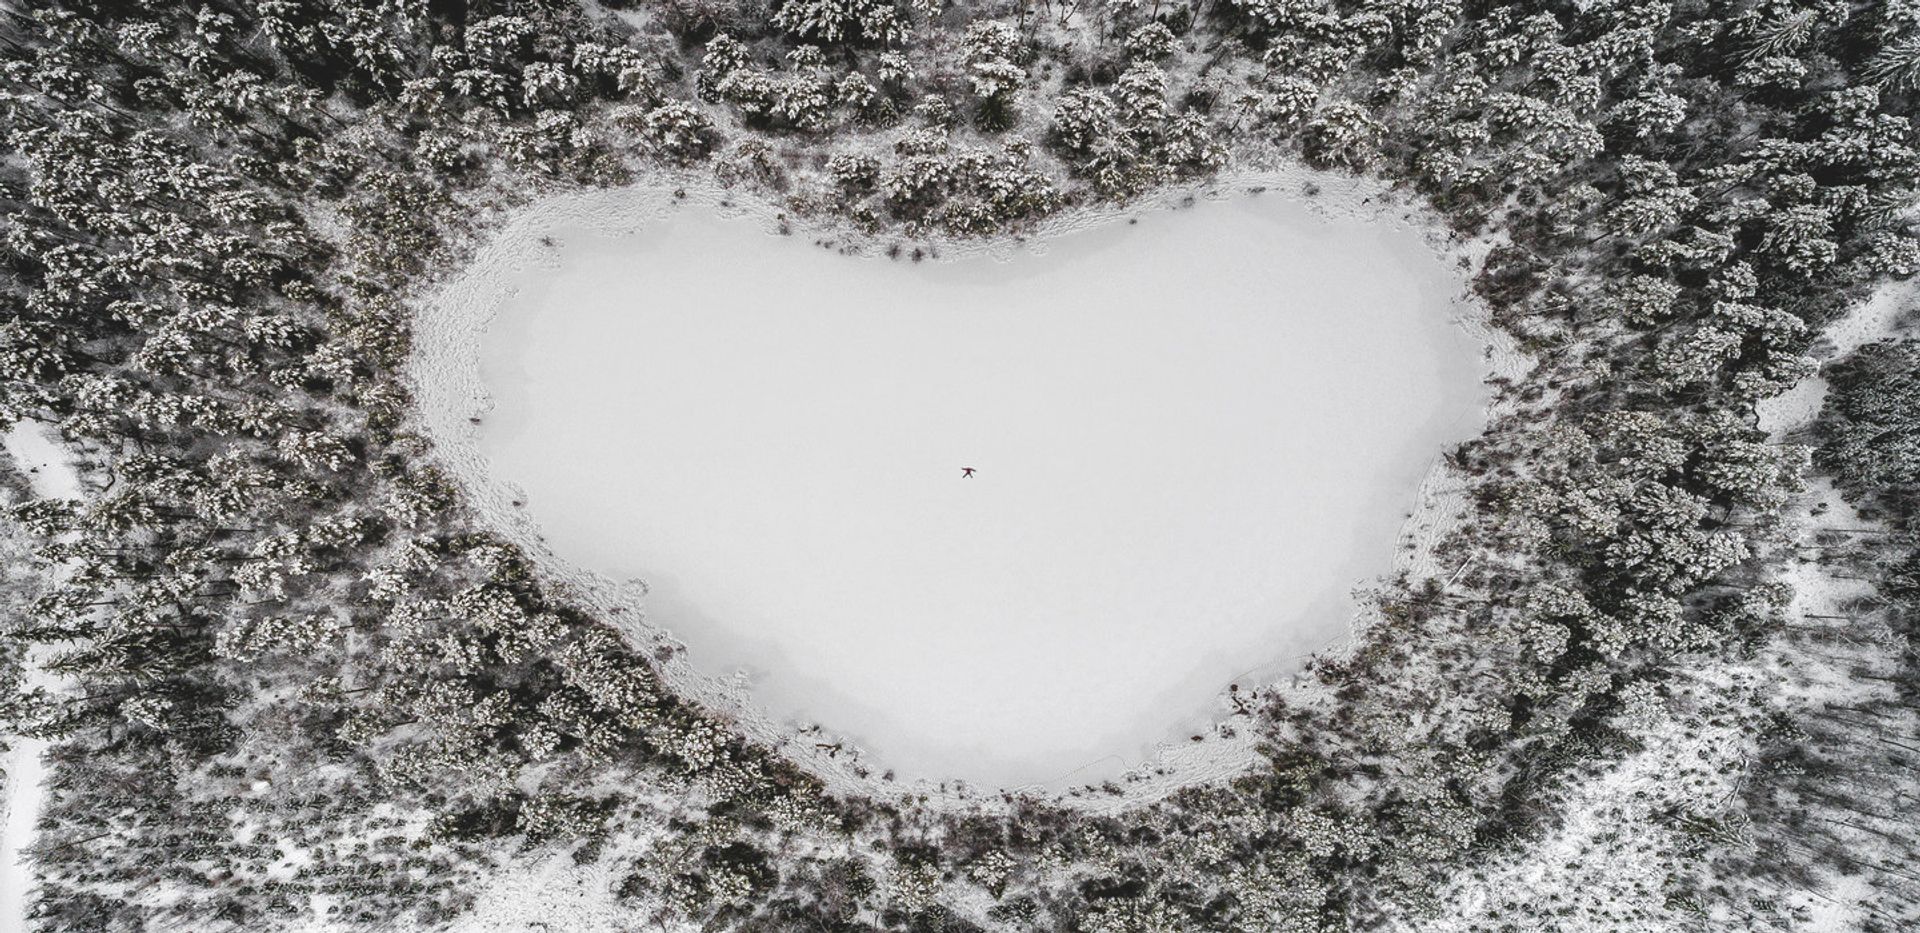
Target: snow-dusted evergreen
1661,679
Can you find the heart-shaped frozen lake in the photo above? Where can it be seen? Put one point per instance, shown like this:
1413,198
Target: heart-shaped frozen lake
1190,438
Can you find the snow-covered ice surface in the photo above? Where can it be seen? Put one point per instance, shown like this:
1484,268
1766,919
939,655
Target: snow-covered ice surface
36,453
1195,434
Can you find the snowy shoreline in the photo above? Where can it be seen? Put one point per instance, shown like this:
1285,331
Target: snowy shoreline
444,373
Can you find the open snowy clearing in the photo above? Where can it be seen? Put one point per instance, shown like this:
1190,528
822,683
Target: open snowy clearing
35,452
1193,436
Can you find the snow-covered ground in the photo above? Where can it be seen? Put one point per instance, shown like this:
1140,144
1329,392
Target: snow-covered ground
1874,319
1603,867
37,453
1194,435
24,783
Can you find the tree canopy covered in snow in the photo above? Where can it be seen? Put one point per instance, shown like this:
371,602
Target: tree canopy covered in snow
306,686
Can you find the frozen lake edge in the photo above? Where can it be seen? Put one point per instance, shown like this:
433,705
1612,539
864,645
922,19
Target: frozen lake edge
447,378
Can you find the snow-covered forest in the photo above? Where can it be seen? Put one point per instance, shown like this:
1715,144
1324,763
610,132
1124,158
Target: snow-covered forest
1658,675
